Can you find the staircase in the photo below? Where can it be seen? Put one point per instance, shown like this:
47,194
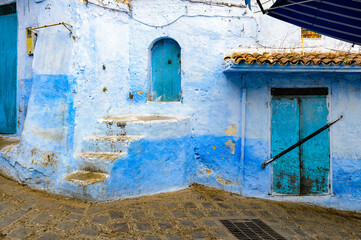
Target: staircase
113,138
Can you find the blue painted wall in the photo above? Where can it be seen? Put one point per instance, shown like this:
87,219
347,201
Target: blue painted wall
68,85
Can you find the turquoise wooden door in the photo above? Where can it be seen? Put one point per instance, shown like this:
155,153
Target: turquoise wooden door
8,67
166,71
285,132
304,170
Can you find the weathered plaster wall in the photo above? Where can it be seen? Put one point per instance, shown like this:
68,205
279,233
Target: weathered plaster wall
67,86
101,67
212,102
32,14
27,14
237,26
44,97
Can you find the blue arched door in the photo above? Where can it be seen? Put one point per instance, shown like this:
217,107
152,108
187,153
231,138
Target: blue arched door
8,67
166,71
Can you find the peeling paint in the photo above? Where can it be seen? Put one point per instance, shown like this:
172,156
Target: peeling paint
231,130
7,149
107,2
137,96
225,182
46,159
220,179
231,144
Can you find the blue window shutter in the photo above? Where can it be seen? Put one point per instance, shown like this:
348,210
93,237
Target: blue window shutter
166,71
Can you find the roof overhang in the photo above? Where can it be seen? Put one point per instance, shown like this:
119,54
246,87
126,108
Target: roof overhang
232,67
334,18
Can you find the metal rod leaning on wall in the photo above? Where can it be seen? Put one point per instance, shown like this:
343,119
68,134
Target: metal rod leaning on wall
51,25
300,142
31,35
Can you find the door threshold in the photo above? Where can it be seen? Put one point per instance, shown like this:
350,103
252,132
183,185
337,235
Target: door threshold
291,195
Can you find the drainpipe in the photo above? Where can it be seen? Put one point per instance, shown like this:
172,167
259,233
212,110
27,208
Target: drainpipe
243,125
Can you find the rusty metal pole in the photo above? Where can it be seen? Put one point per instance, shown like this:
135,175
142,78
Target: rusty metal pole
300,142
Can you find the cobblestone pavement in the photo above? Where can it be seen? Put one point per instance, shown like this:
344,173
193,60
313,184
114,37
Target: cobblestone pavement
194,213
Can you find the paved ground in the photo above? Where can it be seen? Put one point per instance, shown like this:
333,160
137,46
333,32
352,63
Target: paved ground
193,213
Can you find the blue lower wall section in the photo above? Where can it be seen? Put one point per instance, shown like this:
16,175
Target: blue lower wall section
346,178
142,171
256,179
154,166
46,138
48,130
218,162
145,171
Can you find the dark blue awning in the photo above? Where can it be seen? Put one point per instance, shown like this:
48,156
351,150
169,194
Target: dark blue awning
339,19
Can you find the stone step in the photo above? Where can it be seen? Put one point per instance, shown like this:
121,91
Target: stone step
104,143
85,178
149,126
97,161
141,118
108,156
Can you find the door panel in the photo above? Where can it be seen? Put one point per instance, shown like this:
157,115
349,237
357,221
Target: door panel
315,163
8,67
284,133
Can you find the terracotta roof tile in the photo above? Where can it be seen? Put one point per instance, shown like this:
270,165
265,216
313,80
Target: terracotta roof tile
306,60
338,60
326,61
296,58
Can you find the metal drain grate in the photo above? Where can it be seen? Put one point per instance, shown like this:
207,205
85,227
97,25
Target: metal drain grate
253,229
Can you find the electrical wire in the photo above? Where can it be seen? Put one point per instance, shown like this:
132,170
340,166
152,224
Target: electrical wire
164,25
218,4
113,9
184,16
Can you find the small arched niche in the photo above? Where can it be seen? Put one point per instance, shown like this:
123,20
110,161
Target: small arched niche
165,85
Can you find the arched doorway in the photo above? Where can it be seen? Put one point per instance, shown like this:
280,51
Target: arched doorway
165,71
